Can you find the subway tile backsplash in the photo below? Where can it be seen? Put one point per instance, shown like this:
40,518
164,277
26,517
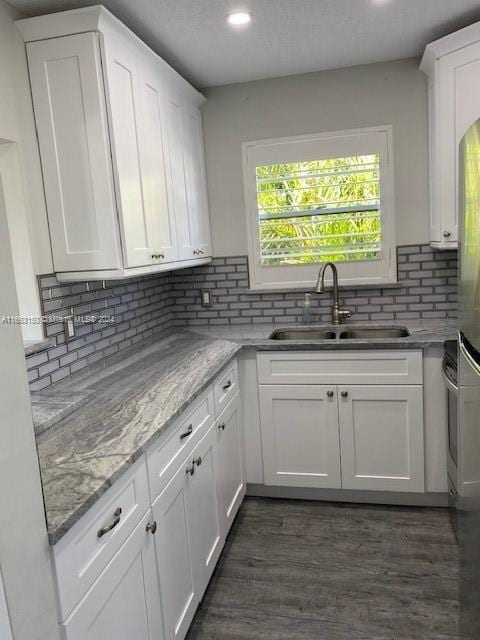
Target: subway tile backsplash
140,307
137,308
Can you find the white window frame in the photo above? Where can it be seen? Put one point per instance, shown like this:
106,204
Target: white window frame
318,146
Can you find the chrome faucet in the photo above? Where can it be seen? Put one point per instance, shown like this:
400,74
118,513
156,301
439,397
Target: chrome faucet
339,314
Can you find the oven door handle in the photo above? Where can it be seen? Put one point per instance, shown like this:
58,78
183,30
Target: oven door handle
448,383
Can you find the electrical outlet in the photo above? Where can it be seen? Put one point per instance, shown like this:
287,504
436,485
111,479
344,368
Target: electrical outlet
69,326
206,297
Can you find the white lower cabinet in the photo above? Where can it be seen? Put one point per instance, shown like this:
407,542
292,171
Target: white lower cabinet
133,572
124,601
231,475
175,568
188,539
300,435
349,436
381,435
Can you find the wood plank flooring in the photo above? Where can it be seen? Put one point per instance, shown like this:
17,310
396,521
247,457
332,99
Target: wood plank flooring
294,570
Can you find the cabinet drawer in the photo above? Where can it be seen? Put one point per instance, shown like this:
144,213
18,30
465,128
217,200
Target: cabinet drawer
124,602
340,367
81,555
225,387
166,453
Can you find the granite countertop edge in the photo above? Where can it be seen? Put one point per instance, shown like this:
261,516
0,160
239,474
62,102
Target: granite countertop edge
55,534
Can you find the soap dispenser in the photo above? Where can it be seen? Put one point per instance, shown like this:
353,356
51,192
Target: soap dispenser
307,310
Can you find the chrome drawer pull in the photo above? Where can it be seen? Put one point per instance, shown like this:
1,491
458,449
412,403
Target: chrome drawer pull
197,461
222,426
117,513
187,433
190,470
227,385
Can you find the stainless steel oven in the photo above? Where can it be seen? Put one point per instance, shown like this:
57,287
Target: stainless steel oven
450,377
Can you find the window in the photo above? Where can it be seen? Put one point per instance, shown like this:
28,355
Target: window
313,199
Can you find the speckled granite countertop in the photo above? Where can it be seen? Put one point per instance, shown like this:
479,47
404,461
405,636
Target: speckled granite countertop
135,398
423,333
101,420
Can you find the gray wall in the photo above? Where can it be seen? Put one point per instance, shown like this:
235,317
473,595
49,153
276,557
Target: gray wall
377,94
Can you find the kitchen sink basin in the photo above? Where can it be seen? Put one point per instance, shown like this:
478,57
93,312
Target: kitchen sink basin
303,334
374,332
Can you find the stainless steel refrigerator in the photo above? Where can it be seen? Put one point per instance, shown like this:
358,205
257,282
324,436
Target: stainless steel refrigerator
468,501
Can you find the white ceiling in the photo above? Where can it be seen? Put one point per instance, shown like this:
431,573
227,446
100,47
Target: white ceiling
286,36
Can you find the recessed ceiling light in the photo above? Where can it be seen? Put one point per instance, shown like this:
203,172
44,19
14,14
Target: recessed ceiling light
239,18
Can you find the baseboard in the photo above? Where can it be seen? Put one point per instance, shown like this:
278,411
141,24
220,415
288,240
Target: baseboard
346,495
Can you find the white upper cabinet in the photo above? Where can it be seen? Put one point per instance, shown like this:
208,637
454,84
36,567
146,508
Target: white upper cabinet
121,145
452,65
196,179
188,179
154,161
124,108
67,88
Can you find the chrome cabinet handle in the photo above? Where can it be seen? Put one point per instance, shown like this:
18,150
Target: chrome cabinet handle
330,394
191,469
151,527
158,256
187,433
227,385
222,426
447,234
116,519
344,394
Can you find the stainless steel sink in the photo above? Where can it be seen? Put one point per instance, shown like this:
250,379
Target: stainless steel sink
360,333
309,333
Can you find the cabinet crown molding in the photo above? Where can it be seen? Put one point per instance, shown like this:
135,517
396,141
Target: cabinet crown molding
87,19
449,43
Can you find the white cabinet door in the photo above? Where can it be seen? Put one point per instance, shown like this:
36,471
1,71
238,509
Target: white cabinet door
188,540
177,181
124,603
381,433
174,557
204,523
459,108
231,476
197,199
454,105
300,437
124,108
69,103
153,160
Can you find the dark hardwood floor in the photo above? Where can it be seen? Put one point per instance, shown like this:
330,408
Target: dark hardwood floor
294,570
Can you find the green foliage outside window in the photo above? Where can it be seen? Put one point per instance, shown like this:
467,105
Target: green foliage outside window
311,212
